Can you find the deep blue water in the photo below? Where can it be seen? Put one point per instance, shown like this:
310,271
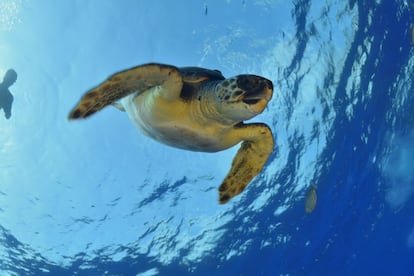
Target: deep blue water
359,128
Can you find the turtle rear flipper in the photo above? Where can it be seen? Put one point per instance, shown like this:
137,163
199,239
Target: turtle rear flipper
134,80
249,160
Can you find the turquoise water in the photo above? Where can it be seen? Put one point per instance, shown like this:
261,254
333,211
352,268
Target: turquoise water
96,197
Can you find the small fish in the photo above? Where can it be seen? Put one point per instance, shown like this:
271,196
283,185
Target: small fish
412,34
310,199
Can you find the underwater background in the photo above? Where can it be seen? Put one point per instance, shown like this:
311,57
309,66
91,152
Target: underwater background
97,197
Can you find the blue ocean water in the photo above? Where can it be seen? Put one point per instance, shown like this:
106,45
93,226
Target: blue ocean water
98,198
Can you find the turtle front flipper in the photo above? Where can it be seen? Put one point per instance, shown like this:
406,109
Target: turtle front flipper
134,80
249,160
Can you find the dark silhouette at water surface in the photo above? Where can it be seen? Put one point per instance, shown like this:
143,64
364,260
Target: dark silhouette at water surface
6,98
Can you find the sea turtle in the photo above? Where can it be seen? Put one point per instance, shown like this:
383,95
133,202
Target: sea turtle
195,109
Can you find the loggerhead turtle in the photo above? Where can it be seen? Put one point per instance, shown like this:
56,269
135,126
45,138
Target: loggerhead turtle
194,109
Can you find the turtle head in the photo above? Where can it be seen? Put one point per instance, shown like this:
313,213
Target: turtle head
243,97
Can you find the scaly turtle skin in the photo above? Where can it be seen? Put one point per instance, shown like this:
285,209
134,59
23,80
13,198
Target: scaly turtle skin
194,109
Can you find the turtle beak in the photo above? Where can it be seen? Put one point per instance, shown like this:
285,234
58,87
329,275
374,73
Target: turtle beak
258,90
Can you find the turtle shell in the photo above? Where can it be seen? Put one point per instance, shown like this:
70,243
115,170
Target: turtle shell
197,74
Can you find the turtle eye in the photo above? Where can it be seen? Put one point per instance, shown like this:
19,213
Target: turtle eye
238,93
